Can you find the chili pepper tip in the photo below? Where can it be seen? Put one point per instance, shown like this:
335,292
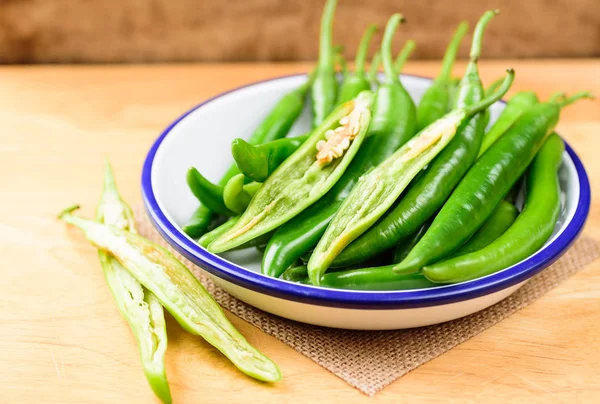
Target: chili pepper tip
68,210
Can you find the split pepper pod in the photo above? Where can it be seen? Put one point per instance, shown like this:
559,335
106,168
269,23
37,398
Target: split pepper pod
140,307
305,176
486,184
395,126
377,190
432,188
275,126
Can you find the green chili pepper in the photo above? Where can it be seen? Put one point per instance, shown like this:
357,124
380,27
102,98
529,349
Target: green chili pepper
499,221
515,107
237,195
357,81
528,233
276,125
139,307
324,88
179,292
429,192
436,102
404,54
374,69
209,194
375,278
258,162
305,176
376,191
402,249
396,126
485,184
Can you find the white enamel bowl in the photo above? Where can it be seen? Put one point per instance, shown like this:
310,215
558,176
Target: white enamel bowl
202,138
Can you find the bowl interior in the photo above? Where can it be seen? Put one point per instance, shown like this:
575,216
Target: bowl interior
203,137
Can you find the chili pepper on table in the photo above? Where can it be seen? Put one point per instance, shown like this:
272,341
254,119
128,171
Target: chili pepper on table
485,184
276,125
324,87
432,188
258,162
515,107
137,305
376,191
396,124
499,221
357,81
436,102
305,176
179,291
532,228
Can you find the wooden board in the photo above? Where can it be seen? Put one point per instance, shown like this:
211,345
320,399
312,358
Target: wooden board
61,337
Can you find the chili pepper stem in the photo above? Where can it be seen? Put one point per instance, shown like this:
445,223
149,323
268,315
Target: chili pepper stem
452,51
363,48
576,97
386,46
478,34
374,69
407,49
325,41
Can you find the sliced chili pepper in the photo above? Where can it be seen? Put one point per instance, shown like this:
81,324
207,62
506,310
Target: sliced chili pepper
532,228
258,162
433,187
209,237
435,102
305,176
137,305
276,125
376,191
357,81
499,221
485,184
396,124
515,107
179,291
324,88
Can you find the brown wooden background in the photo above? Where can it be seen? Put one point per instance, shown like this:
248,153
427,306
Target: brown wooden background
42,31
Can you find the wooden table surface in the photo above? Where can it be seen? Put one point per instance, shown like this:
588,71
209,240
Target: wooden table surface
61,337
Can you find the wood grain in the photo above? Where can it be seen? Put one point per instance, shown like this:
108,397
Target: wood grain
41,31
61,337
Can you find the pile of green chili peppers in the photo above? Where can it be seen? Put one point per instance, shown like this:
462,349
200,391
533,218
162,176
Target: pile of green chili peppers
384,193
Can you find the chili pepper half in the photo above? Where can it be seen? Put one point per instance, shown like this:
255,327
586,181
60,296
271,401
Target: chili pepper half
305,176
258,162
324,88
436,102
137,305
530,231
429,192
179,291
486,183
376,191
515,107
276,125
357,81
396,126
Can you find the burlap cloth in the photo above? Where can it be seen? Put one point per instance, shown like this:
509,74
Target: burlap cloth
370,360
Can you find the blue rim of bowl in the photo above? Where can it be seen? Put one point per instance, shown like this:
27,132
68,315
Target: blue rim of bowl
405,299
